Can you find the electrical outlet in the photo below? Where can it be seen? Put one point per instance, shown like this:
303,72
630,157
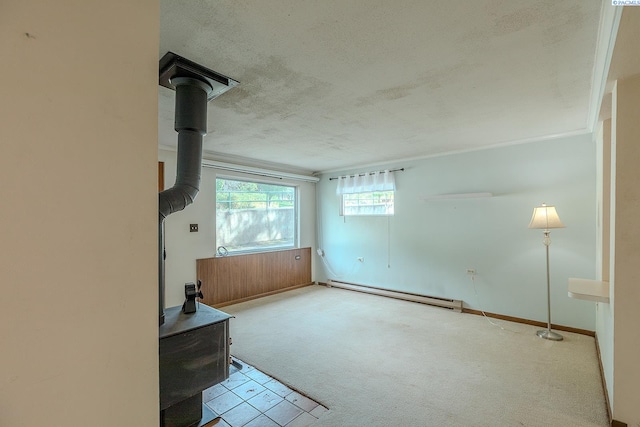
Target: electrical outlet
471,271
193,228
361,258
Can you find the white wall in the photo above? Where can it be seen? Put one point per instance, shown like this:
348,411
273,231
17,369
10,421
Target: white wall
78,231
428,245
604,311
184,247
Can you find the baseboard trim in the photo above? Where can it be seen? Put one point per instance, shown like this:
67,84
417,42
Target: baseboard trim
530,322
451,304
264,294
603,380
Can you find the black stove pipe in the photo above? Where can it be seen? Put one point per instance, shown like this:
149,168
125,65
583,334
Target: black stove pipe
191,124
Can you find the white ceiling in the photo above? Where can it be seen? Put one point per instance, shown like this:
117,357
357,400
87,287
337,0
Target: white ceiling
333,84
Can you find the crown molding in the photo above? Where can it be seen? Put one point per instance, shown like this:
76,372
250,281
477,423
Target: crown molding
607,33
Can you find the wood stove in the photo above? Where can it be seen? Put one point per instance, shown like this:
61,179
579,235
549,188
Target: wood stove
194,347
194,355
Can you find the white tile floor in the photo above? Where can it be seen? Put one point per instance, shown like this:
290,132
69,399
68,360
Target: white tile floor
249,398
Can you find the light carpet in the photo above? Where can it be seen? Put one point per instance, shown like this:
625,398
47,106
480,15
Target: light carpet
376,361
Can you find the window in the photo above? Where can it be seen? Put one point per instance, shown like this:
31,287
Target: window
254,216
369,193
369,203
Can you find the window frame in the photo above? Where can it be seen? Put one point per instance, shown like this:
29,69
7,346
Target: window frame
344,213
296,214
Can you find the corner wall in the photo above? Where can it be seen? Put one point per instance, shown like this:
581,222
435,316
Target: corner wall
604,311
427,246
625,248
184,247
78,267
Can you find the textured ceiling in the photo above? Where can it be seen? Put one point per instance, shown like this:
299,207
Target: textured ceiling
334,84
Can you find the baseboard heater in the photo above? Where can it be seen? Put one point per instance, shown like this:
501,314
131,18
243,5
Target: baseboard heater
451,304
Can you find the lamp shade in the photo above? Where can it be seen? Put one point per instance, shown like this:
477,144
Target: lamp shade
545,217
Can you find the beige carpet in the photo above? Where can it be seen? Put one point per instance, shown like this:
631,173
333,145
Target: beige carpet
376,361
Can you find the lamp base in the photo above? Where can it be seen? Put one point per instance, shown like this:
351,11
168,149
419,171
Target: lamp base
549,335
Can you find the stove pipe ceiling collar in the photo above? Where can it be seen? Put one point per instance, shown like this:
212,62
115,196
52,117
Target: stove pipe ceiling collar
195,86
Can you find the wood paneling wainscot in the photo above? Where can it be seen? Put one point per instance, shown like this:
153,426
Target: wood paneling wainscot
236,278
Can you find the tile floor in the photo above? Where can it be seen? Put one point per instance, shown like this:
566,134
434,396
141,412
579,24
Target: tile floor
249,398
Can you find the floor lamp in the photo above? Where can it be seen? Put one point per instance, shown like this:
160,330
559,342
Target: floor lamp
545,218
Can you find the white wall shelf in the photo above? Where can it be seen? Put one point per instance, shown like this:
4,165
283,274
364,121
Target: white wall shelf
590,290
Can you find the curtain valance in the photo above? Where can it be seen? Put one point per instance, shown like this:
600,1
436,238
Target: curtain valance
367,182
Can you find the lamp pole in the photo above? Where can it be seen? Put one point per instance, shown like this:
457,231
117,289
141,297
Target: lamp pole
548,333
